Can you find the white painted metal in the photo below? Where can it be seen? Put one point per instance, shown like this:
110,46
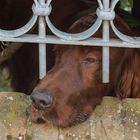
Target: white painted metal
42,46
106,37
77,36
50,39
20,31
133,40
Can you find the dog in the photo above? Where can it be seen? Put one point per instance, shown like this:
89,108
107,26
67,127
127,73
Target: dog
72,89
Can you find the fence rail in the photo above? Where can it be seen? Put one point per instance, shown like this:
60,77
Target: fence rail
105,16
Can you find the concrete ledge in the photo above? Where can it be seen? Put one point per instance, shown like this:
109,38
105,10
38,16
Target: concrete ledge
112,120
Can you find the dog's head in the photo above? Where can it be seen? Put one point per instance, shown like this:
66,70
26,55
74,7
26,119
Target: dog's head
73,87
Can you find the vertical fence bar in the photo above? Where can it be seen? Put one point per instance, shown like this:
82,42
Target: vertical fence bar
105,51
42,47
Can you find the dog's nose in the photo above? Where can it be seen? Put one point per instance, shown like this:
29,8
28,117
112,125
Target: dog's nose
41,100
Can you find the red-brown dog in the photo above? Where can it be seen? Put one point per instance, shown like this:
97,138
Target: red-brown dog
73,87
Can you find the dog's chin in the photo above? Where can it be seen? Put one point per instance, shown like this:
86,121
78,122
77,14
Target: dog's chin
79,118
74,119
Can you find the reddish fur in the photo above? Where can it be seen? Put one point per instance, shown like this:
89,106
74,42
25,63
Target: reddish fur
77,86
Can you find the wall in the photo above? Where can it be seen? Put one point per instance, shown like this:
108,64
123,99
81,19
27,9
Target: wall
112,120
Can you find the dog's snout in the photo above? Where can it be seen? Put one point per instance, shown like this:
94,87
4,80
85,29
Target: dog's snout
41,100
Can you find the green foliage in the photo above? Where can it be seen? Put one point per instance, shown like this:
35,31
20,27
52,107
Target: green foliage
131,2
126,5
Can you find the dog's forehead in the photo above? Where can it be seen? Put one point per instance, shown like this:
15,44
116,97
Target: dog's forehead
78,51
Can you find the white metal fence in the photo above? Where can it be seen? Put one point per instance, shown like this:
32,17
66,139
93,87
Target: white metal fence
105,15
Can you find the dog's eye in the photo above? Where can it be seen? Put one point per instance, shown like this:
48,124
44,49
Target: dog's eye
89,60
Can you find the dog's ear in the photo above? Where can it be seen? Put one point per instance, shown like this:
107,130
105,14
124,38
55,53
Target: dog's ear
128,78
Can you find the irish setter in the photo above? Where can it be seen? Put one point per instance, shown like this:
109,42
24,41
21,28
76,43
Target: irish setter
73,87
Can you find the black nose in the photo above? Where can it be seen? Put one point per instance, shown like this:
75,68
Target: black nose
41,100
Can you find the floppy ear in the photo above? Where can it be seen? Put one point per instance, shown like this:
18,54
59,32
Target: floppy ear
128,81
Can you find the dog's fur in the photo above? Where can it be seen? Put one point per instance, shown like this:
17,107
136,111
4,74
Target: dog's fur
75,81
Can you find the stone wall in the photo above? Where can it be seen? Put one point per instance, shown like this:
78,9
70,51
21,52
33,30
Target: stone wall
112,120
